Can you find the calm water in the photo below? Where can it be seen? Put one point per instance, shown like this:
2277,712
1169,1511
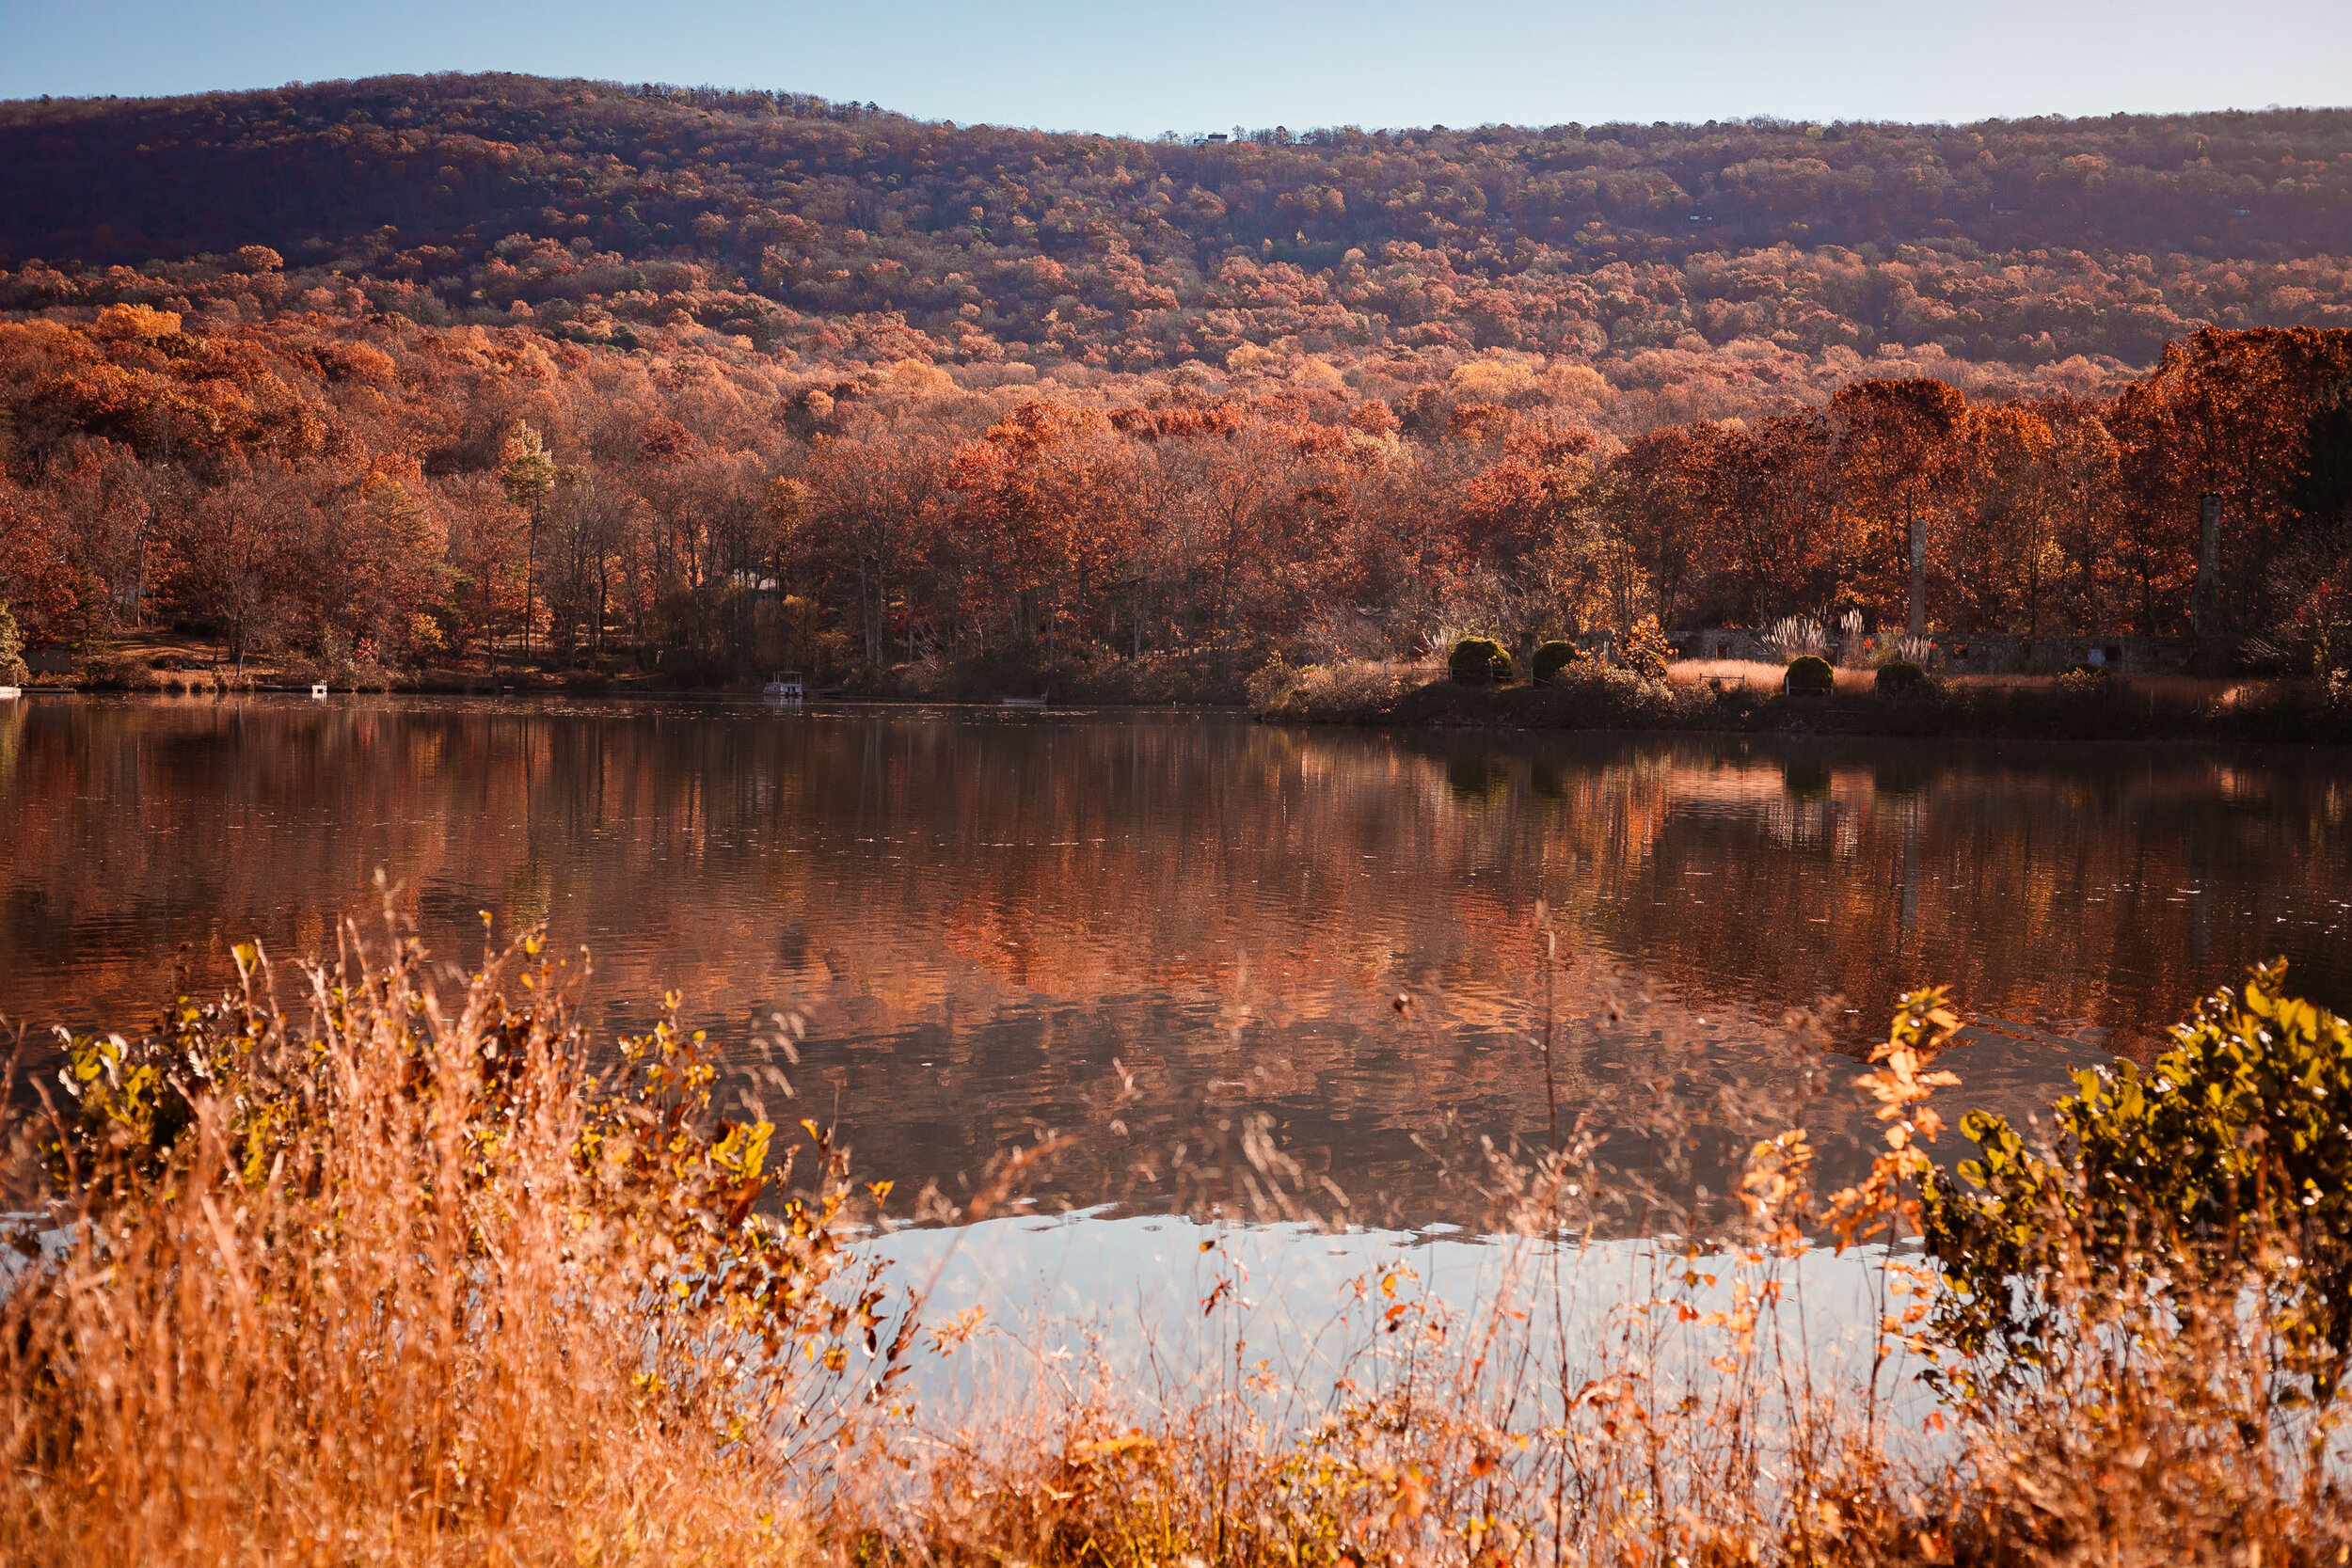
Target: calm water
1152,931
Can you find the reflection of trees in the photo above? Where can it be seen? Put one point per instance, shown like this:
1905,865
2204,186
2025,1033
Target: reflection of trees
979,919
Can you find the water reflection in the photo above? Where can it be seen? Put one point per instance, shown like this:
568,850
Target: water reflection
1155,930
1146,1316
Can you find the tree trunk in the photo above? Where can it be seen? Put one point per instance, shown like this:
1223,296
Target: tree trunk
1918,574
2202,618
530,576
866,596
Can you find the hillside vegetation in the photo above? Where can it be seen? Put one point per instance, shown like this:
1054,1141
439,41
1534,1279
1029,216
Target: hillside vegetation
817,224
383,374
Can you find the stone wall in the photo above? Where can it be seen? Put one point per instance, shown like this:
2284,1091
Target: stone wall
1984,653
2006,654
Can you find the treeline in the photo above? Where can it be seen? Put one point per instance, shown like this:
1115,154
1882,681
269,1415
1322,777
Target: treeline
443,156
376,492
831,231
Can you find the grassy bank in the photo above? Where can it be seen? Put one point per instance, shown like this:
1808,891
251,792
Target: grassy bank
1210,673
379,1260
174,665
1748,699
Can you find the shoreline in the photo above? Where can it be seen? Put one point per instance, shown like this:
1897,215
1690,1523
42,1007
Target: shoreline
1598,701
733,695
1614,700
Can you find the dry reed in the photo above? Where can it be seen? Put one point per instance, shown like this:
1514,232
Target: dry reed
404,1283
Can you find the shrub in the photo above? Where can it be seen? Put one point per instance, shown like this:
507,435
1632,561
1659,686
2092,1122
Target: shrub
1270,682
1809,675
434,1272
1903,648
1480,662
1902,678
13,670
1356,693
2228,1164
106,672
1552,657
1646,650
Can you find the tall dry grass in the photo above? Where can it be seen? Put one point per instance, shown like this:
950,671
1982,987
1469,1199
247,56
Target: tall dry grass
2184,695
388,1278
2166,1423
380,1279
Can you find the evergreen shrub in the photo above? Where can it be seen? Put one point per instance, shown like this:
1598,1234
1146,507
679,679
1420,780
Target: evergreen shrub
1552,657
1810,675
1480,662
1902,678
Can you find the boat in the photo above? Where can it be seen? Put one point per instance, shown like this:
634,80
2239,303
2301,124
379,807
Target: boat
786,688
1038,701
318,688
10,693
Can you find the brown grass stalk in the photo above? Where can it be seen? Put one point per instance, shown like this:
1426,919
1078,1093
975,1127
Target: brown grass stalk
403,1274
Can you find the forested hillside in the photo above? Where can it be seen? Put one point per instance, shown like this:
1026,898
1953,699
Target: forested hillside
817,225
421,371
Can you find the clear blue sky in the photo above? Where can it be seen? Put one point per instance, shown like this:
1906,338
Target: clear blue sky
1211,64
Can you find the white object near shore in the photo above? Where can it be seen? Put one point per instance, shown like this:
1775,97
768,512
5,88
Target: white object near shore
10,693
1026,701
318,688
786,688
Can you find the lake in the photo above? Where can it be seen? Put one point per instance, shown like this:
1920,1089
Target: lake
1250,971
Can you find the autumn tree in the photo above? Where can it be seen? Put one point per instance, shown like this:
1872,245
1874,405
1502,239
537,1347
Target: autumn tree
2310,579
1731,521
1528,521
2233,422
390,548
233,551
1653,498
527,473
13,669
2003,549
1235,476
486,582
1042,497
1770,547
107,506
36,579
588,518
875,509
1895,454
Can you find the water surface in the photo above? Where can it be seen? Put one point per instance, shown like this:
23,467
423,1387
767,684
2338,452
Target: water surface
1189,940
